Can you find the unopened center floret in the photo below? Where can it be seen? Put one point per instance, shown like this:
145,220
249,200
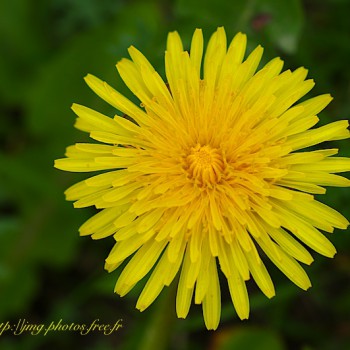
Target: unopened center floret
205,165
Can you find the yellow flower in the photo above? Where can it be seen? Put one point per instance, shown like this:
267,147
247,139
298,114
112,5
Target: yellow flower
210,170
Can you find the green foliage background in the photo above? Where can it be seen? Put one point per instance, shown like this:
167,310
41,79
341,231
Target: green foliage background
47,272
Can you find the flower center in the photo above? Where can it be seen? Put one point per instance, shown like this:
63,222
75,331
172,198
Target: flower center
205,165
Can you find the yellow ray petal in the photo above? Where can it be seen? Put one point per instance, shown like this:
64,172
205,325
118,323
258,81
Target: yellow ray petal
237,48
81,165
123,249
203,277
105,178
260,275
196,51
288,266
184,294
214,55
306,232
331,165
290,245
81,189
99,220
116,99
139,265
98,120
248,68
212,299
333,131
132,77
239,260
104,232
175,246
196,243
239,295
162,275
150,219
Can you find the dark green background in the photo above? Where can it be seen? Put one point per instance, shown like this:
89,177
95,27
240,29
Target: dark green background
47,272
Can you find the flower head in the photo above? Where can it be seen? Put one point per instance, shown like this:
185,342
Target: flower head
209,170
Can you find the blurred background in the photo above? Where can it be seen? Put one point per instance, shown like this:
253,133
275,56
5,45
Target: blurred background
48,272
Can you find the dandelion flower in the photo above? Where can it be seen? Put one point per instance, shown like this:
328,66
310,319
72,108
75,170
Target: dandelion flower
209,175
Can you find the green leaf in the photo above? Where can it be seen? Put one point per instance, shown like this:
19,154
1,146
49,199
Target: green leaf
23,43
253,339
233,15
285,22
96,51
17,288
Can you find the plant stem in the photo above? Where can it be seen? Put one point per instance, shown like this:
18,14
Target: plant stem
158,333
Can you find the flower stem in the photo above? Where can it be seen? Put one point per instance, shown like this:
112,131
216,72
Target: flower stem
158,333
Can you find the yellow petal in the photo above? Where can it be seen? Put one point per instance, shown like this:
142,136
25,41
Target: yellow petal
203,278
99,220
288,266
98,120
184,294
333,131
196,51
331,165
260,275
81,165
239,295
214,55
139,265
162,275
116,99
290,245
306,232
212,299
